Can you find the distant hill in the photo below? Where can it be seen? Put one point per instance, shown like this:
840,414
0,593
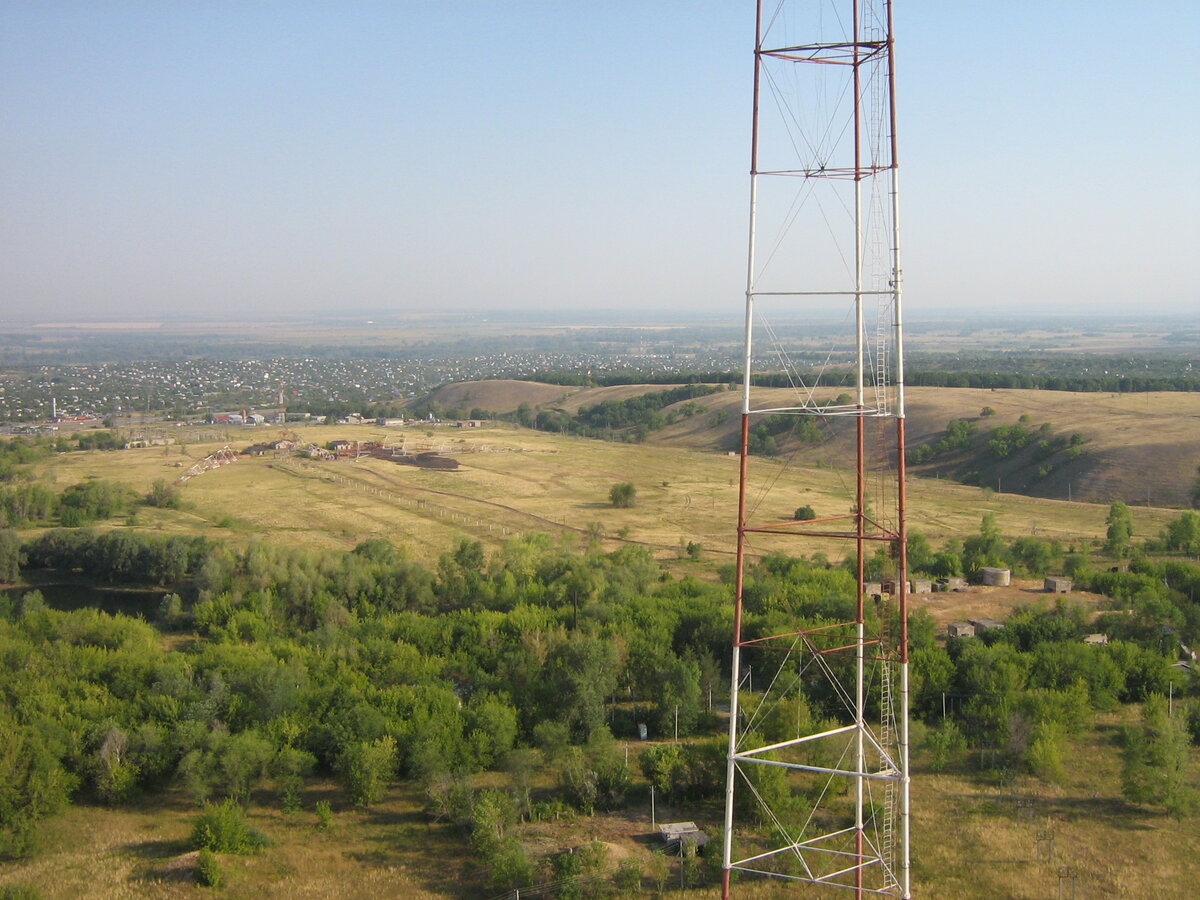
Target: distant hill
497,396
1140,448
502,396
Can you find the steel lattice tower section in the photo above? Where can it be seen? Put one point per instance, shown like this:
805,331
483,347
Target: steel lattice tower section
826,802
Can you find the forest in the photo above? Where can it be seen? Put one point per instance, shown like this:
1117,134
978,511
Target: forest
256,671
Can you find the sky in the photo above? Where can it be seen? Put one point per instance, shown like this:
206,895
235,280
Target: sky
263,158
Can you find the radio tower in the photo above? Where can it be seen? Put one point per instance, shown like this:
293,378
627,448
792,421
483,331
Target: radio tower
818,764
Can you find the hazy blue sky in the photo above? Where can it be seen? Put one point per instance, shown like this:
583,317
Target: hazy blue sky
226,158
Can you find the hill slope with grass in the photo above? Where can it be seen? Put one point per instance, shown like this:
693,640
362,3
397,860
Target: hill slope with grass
1140,448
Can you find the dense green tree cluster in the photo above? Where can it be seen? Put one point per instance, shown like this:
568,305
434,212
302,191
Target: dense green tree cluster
363,666
118,555
1034,453
99,440
29,503
367,667
18,452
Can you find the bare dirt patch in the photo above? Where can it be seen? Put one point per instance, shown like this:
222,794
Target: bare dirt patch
979,601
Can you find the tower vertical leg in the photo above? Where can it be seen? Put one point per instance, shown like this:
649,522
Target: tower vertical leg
842,666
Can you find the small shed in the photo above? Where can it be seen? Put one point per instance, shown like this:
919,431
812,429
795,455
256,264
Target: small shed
1095,638
920,586
952,584
873,589
1056,584
986,624
995,577
685,834
960,629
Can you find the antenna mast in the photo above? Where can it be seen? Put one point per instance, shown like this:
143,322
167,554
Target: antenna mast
821,795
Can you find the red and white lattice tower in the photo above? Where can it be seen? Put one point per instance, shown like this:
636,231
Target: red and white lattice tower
825,802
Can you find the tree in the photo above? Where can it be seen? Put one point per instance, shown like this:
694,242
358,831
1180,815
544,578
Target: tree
223,828
985,548
33,784
1183,533
803,513
289,768
367,767
567,869
510,866
243,760
946,744
622,495
162,495
579,675
1045,753
1156,760
679,701
116,776
593,535
920,553
1034,555
1120,529
10,555
491,729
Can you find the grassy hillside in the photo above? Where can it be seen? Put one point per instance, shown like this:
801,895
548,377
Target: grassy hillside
1143,448
497,395
513,480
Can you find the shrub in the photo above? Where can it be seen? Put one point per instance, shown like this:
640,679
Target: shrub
162,495
20,892
622,495
367,767
324,815
628,877
223,828
804,512
208,869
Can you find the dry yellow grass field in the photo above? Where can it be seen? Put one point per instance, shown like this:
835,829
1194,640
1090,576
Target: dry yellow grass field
514,480
1142,448
142,851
